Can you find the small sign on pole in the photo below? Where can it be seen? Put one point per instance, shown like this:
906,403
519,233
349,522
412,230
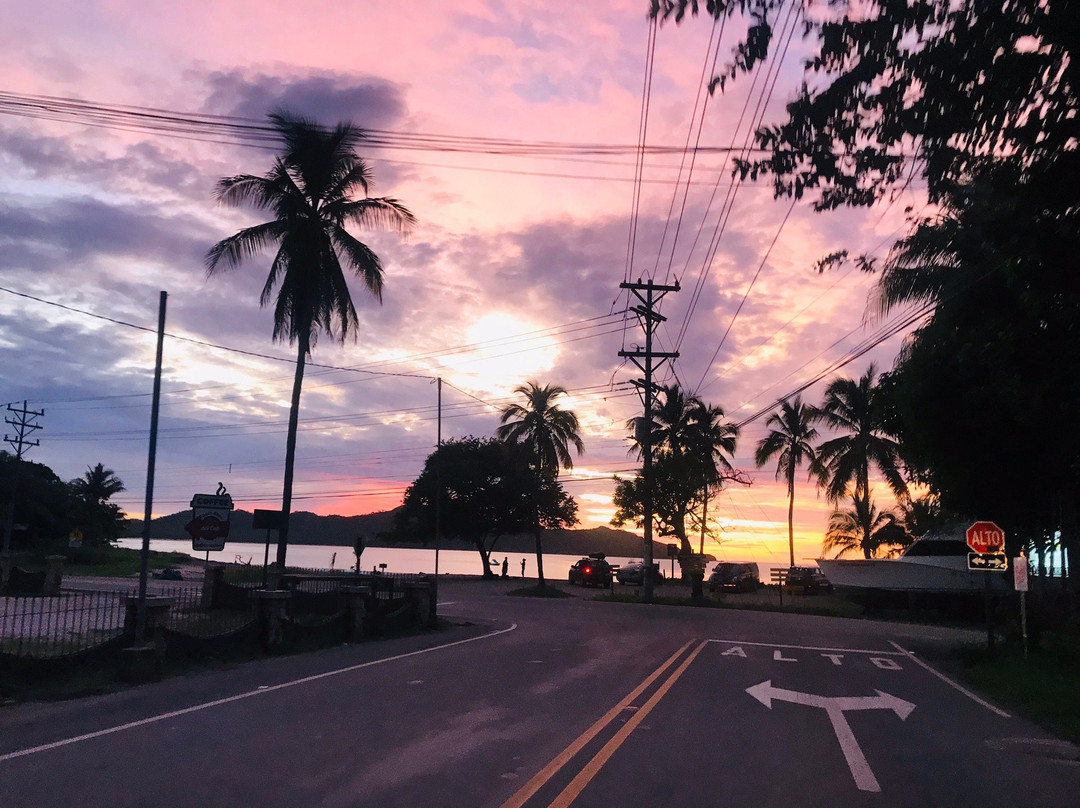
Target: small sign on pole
1020,574
1020,584
991,562
987,540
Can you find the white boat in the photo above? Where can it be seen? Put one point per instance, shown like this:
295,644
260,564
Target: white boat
933,563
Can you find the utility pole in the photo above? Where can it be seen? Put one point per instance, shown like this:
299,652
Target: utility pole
155,405
438,480
23,423
647,360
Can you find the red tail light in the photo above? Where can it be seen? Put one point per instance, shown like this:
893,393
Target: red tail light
588,570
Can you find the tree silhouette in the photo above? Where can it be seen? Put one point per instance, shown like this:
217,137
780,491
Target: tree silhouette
791,441
857,409
311,194
97,485
691,444
490,488
863,529
548,432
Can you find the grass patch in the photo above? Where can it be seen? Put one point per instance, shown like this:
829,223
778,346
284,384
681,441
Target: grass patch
1045,687
120,562
537,591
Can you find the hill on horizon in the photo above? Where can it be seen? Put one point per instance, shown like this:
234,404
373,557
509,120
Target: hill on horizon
310,528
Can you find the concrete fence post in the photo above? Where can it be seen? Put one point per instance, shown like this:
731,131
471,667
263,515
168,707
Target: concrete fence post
356,609
54,575
271,609
7,565
213,580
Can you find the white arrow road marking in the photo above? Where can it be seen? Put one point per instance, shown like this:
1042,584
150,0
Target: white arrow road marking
835,707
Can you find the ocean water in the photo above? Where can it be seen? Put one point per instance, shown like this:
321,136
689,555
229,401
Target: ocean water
400,559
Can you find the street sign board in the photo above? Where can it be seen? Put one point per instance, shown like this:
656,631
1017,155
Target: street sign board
265,520
986,537
1020,574
209,525
991,562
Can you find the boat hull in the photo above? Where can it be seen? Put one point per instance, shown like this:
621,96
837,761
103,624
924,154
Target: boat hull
901,575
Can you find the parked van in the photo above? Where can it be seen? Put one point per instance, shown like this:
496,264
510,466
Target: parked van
740,577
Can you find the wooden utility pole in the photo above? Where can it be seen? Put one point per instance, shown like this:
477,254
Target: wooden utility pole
649,295
23,423
151,463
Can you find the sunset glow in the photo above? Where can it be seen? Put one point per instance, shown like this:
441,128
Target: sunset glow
512,274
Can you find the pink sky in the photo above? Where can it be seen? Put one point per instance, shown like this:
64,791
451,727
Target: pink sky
99,220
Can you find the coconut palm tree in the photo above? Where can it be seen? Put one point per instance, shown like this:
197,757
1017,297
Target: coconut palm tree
549,431
857,410
97,485
791,441
692,444
711,442
311,194
863,528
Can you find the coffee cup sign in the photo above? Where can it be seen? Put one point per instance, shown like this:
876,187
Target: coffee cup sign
209,525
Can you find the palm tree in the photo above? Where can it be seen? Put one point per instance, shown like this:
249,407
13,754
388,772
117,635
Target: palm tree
695,442
863,528
711,442
311,194
98,485
857,409
548,431
791,441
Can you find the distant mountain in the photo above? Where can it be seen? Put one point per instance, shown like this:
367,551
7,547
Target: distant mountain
304,527
310,528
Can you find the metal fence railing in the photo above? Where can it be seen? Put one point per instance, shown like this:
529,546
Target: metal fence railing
189,615
60,626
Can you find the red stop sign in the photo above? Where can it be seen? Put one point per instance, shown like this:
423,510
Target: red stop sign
986,537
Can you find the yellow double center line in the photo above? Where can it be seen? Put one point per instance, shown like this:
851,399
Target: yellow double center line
571,792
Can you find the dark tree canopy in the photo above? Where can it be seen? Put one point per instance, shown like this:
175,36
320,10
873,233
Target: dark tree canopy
979,99
47,509
902,87
490,489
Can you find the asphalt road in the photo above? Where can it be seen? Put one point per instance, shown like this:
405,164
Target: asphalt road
529,703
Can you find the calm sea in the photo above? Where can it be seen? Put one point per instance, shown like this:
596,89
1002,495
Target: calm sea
396,559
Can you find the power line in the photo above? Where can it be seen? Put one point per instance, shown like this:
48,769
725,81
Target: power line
756,117
250,131
746,294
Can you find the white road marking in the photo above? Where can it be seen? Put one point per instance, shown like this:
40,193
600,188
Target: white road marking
778,656
900,652
835,658
885,664
240,696
950,682
834,708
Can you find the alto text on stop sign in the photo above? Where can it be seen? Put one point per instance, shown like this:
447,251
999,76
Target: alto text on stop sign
985,537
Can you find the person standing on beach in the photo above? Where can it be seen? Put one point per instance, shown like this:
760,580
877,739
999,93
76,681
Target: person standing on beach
506,567
523,568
